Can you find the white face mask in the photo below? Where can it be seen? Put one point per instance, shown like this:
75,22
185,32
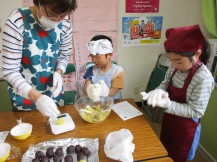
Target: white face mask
46,24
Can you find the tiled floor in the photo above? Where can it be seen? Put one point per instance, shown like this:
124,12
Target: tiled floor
157,127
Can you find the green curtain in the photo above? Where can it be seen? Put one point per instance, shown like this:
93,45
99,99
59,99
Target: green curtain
209,15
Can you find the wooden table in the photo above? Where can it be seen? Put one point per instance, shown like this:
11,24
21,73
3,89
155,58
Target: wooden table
147,144
163,159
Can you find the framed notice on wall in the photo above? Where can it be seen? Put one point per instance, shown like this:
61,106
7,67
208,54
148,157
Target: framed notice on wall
142,6
141,31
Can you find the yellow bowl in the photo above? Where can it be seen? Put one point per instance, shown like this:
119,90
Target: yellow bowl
21,131
5,149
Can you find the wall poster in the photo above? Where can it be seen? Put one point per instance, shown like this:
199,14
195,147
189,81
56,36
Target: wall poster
141,31
142,6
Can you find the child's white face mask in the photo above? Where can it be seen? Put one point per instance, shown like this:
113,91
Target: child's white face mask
45,23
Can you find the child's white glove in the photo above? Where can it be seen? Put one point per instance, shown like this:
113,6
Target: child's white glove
57,84
46,106
157,97
104,88
94,91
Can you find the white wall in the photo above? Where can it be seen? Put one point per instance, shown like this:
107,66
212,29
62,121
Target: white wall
6,6
138,62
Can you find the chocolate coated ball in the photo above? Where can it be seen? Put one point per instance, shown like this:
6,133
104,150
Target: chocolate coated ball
50,152
85,150
81,156
45,159
70,149
77,149
39,154
36,160
68,158
57,158
59,151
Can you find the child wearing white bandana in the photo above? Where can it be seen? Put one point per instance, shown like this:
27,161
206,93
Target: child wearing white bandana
104,78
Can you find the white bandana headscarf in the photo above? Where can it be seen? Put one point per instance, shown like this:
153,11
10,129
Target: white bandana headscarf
100,47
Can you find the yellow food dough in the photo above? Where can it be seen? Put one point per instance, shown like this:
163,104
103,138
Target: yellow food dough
60,121
97,115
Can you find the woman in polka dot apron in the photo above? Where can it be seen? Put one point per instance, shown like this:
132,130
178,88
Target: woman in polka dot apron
37,43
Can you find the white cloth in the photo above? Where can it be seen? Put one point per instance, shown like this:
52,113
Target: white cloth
119,146
47,106
157,97
94,91
99,47
57,84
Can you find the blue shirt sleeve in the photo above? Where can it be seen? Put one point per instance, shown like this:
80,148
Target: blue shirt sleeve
89,73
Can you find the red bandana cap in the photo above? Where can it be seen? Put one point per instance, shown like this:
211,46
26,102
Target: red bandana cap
184,39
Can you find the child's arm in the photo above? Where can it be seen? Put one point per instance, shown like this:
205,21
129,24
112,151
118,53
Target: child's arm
113,91
117,84
88,82
197,99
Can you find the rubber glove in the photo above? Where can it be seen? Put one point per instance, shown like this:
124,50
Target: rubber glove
57,84
157,97
94,91
46,106
104,89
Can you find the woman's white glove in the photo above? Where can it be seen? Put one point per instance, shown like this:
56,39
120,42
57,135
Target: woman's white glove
157,97
47,106
57,84
94,91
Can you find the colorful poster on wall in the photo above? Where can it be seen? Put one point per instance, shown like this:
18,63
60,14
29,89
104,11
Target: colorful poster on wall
141,31
142,6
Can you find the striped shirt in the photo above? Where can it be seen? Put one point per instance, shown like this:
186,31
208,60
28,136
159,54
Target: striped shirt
198,92
12,45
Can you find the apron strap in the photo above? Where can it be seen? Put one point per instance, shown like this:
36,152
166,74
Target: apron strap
172,76
191,74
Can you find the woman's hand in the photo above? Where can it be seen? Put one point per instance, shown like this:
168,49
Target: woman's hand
44,103
46,106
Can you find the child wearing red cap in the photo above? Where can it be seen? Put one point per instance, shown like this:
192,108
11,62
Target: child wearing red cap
185,91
